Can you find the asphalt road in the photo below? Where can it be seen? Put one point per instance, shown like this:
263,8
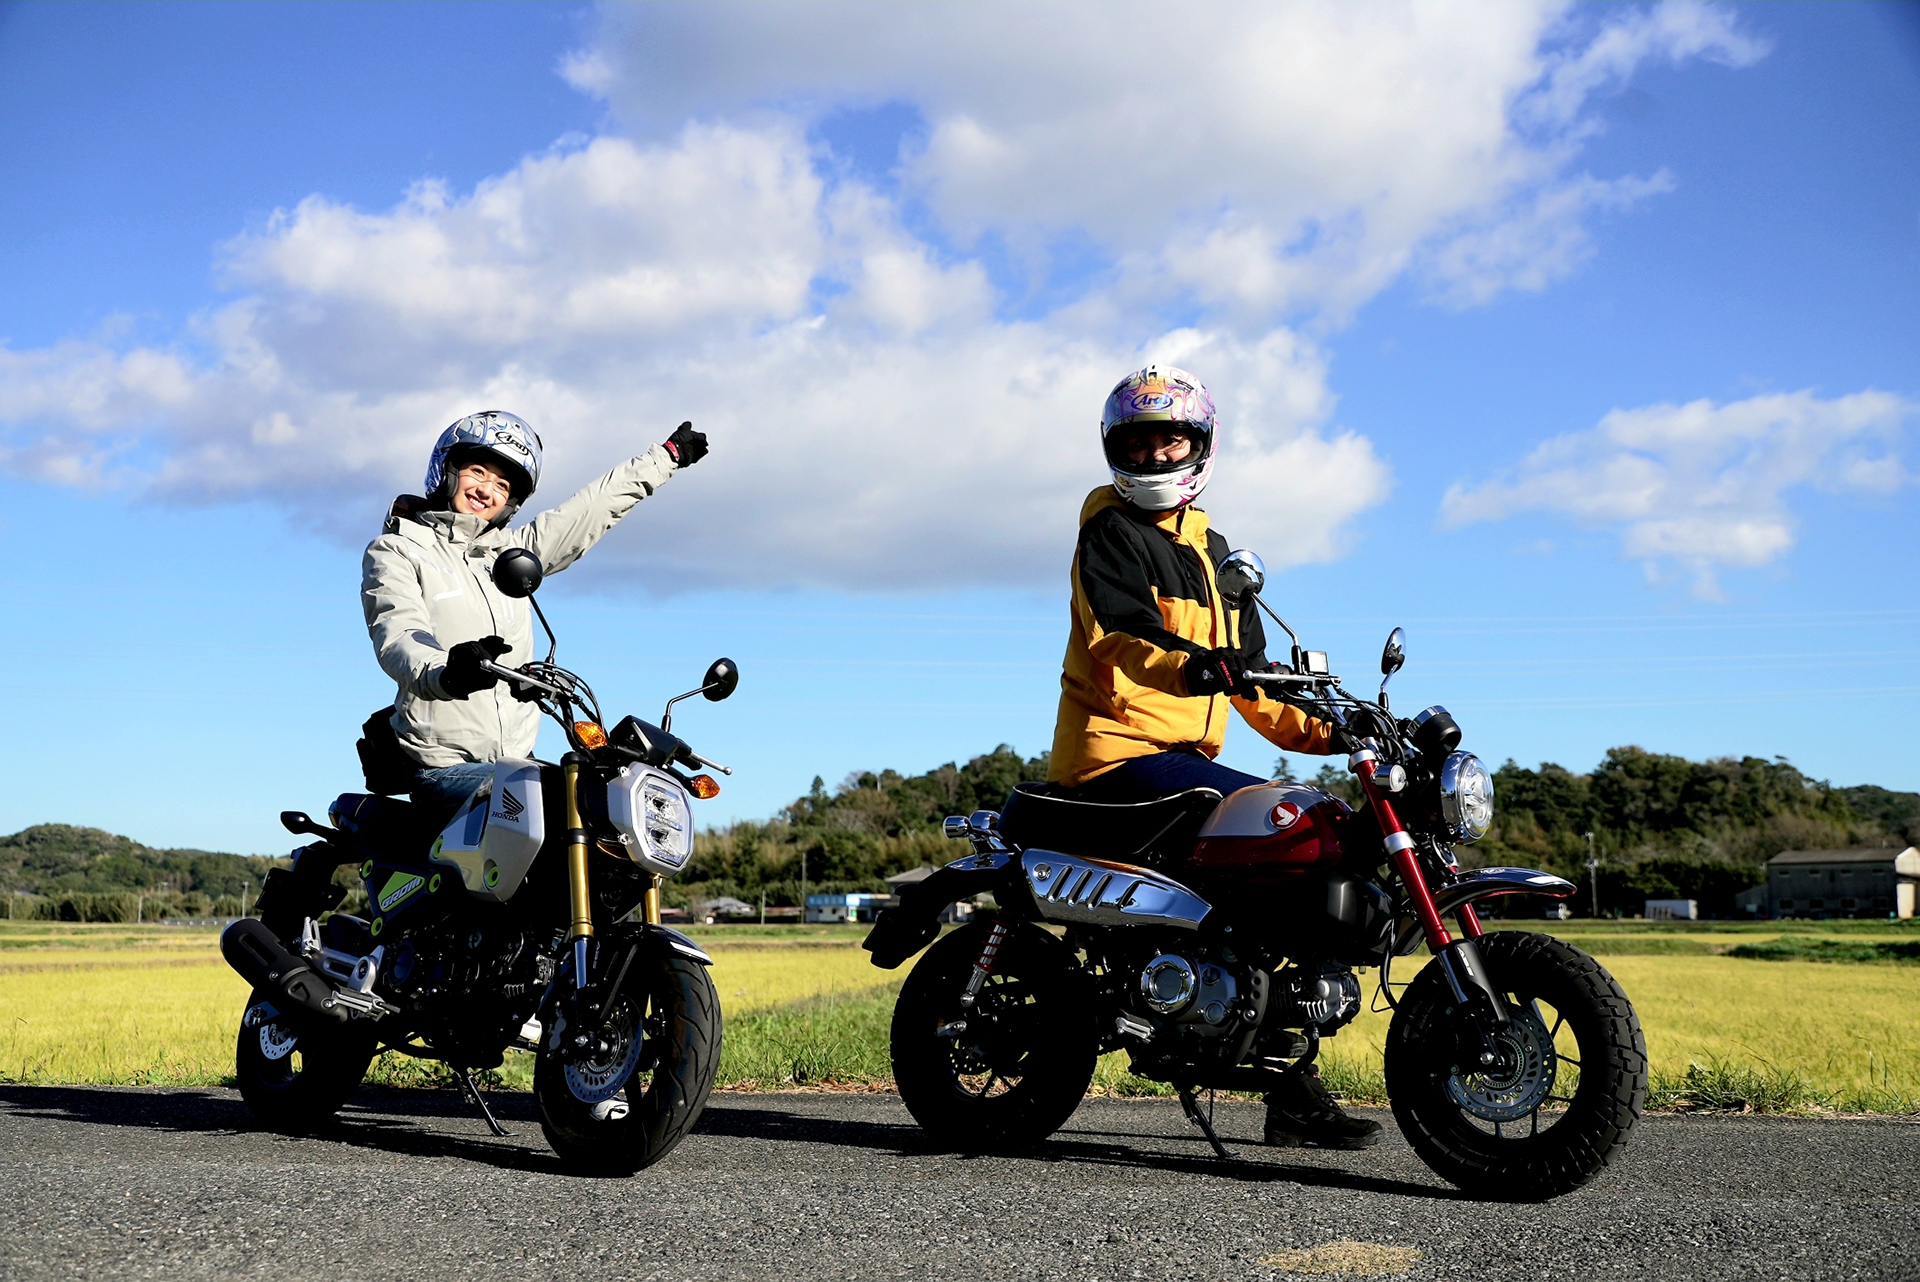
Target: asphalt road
103,1182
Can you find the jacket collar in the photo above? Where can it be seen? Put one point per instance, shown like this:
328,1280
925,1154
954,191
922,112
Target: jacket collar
1187,524
439,524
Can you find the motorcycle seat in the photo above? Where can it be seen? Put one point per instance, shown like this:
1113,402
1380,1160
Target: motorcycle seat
1158,831
395,829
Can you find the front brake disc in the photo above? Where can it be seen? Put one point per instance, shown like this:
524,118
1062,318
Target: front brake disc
604,1072
1520,1082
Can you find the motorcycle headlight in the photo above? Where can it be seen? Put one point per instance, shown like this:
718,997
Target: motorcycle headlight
651,813
1466,797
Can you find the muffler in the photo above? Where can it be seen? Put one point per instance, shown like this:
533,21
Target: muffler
251,949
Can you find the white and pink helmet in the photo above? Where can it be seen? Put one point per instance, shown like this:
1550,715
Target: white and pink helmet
1158,394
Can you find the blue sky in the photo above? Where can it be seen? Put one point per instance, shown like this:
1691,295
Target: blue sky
256,256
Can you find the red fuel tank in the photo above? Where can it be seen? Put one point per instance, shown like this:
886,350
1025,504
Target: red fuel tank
1276,832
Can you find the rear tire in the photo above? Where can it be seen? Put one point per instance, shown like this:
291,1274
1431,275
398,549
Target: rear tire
639,1122
1022,1066
1584,1022
295,1079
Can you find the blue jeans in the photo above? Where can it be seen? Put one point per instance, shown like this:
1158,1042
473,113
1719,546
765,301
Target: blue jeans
440,791
1144,778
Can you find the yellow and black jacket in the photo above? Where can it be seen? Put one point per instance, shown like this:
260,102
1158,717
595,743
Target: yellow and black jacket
1144,600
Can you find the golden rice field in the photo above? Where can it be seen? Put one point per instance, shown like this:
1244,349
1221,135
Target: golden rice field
156,1005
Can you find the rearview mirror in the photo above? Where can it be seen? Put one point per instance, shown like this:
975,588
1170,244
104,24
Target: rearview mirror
722,679
1395,655
517,573
1240,575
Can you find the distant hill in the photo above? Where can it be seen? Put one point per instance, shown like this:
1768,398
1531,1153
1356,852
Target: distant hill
1662,826
59,859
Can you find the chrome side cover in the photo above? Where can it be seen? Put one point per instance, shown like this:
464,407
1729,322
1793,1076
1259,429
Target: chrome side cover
1098,893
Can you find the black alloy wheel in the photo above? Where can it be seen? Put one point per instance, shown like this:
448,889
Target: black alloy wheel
637,1094
295,1078
1009,1072
1567,1085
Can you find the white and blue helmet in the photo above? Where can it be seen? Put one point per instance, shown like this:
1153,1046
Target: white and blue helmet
507,439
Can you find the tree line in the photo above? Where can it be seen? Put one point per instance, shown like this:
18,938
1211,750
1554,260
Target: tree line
1662,827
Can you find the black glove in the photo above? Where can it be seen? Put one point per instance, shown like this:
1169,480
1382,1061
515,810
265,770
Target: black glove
686,445
463,674
1212,672
525,693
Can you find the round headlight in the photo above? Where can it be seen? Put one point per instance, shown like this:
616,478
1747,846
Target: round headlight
1466,797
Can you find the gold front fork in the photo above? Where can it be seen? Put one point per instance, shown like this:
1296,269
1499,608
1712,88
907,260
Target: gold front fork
577,855
653,902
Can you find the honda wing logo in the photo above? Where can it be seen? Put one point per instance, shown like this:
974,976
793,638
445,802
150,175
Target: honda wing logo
511,807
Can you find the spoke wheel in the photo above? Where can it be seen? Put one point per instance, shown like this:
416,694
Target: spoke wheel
295,1079
1007,1072
638,1091
1567,1083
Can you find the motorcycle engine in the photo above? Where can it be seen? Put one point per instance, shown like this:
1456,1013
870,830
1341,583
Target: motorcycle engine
466,988
1324,996
1200,994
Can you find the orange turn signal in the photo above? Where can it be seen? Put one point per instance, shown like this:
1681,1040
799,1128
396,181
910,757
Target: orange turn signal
704,787
589,734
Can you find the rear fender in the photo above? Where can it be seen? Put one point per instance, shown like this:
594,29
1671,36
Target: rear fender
899,933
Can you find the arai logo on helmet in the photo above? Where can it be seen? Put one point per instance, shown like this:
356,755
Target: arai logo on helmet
1285,815
1145,400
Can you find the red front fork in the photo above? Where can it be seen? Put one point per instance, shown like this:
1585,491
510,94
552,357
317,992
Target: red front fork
1400,851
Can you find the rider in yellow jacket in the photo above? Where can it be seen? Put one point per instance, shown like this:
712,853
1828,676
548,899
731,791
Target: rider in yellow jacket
1156,656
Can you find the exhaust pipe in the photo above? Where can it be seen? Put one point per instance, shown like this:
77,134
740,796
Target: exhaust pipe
251,949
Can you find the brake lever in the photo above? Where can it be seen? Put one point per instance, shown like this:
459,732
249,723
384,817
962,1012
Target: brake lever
703,763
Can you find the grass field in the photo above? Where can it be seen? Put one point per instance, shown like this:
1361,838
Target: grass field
156,1005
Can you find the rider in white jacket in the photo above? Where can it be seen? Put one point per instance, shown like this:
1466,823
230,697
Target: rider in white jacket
426,587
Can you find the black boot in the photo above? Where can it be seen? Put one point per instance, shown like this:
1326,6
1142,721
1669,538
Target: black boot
1302,1114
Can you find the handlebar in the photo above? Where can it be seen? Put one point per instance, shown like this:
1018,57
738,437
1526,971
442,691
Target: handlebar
1292,678
514,674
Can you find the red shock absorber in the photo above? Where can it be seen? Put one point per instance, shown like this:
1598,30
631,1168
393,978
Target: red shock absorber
983,965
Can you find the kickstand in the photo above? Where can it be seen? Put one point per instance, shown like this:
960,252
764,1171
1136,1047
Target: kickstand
473,1093
1205,1124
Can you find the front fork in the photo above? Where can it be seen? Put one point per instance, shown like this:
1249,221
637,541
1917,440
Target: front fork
579,901
1460,961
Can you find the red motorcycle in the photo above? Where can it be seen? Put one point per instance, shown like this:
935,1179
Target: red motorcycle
1216,939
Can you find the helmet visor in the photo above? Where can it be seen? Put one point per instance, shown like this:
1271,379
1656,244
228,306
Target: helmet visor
1154,449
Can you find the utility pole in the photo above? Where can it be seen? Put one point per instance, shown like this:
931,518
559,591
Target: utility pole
1593,873
246,884
763,905
803,886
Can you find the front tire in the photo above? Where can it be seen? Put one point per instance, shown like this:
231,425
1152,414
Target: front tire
629,1107
1557,1109
1022,1065
294,1079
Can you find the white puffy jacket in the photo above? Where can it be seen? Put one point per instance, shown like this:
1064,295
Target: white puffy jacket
427,584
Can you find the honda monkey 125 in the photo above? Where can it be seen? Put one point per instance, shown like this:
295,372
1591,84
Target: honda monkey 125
531,920
1216,939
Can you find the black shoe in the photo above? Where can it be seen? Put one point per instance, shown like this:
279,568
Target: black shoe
1302,1114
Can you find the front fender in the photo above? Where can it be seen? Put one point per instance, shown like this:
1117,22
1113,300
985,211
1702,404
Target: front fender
666,939
899,933
1485,883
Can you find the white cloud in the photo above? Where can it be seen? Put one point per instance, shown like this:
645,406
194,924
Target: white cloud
882,415
1700,485
1292,156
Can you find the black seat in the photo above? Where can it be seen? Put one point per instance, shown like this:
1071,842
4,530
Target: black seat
1160,831
394,828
